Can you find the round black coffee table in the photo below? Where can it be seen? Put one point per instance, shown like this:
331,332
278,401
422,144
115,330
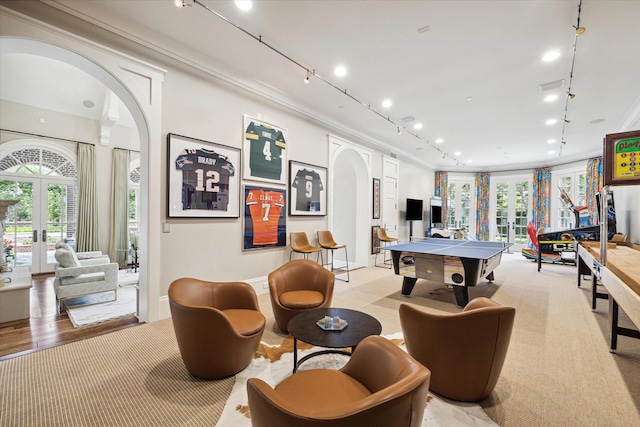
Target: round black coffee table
303,327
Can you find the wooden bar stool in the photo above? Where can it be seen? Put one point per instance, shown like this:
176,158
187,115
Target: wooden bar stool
326,241
300,244
386,240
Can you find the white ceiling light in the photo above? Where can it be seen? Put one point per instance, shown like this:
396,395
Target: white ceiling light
551,141
340,71
439,141
243,4
550,98
387,103
551,122
418,126
551,152
457,153
551,56
469,161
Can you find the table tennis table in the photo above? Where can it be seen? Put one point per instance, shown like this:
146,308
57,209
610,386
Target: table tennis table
460,263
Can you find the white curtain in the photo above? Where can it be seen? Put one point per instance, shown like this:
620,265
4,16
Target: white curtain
119,240
88,238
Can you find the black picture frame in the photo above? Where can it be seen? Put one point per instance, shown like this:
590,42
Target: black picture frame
203,179
307,189
265,151
376,198
375,241
264,217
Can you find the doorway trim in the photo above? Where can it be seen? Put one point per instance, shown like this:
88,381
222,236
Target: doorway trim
361,160
139,86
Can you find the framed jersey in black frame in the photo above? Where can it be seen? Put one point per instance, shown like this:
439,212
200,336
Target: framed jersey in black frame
203,179
307,189
265,151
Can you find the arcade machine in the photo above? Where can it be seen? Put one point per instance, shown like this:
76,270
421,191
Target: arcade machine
555,245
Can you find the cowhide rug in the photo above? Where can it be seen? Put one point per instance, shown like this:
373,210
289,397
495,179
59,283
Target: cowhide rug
274,363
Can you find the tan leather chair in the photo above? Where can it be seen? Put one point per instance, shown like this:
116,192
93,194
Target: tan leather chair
385,239
297,286
299,243
380,385
326,241
464,351
218,325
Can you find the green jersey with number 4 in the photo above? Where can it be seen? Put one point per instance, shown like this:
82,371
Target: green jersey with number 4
267,145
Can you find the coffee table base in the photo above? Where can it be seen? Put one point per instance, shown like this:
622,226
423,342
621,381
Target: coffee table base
297,363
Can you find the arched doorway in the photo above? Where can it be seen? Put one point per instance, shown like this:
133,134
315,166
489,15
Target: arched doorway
350,205
112,74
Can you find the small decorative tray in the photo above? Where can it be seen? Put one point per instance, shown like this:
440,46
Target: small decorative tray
330,327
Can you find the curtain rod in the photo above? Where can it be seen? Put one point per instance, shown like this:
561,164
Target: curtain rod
45,136
61,139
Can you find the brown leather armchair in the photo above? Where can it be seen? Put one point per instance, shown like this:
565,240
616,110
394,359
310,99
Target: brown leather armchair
381,385
297,286
464,351
218,325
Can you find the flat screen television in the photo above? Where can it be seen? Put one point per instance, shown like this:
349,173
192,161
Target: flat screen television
414,210
436,214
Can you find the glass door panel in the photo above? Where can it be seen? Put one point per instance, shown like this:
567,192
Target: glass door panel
502,212
511,210
18,233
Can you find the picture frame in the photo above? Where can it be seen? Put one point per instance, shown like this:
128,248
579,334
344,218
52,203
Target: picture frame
376,198
203,179
264,217
621,158
264,150
307,189
375,241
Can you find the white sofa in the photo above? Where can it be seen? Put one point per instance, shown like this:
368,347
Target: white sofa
84,273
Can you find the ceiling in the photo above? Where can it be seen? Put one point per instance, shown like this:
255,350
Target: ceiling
469,71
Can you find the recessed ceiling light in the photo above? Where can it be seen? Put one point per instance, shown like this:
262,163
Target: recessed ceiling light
469,161
340,71
551,141
457,153
439,141
243,4
387,103
469,98
551,122
550,98
597,121
551,152
551,56
418,126
88,103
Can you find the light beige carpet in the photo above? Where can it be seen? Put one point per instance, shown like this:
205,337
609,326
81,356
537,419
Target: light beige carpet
558,371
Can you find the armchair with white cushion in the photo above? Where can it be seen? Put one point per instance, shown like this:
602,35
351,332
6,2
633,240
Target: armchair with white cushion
78,277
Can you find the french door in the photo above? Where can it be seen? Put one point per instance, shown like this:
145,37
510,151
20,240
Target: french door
510,202
460,200
44,216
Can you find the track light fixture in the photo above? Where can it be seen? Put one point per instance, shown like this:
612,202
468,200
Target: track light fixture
571,95
258,38
567,121
580,30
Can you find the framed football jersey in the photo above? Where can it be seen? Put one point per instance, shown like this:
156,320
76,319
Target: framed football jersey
203,179
264,217
265,151
307,189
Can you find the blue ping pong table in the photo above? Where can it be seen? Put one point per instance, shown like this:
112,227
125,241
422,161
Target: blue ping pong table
461,263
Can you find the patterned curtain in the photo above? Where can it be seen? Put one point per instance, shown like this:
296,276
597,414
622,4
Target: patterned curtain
442,189
482,206
119,207
594,185
88,238
541,197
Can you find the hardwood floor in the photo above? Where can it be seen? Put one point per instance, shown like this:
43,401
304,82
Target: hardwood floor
45,328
